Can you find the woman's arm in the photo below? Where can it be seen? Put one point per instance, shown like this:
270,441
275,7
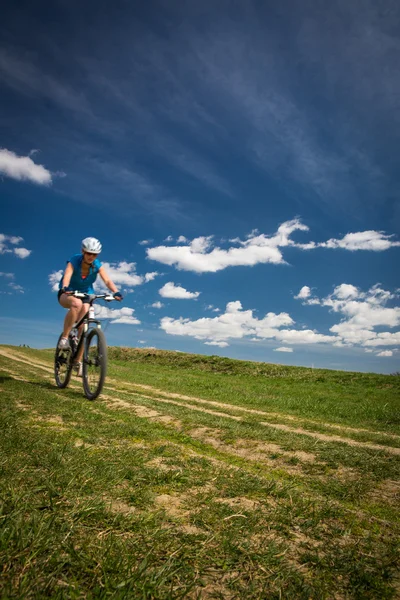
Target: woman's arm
111,286
67,275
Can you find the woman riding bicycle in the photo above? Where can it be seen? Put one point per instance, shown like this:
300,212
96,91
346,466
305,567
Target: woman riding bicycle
80,274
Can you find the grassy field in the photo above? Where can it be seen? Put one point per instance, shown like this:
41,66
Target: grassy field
198,477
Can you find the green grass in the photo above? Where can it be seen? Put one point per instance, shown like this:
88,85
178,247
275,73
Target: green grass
360,399
132,496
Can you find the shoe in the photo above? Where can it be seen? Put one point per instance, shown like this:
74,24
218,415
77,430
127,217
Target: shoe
63,344
78,369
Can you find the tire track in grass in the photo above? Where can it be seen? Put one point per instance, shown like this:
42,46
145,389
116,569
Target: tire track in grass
243,448
166,394
297,430
215,403
145,412
226,452
253,411
168,400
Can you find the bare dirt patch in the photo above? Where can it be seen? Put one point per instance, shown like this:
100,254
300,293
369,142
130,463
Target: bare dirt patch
53,420
142,411
173,507
388,491
269,448
22,406
191,529
159,463
171,504
120,507
248,449
240,503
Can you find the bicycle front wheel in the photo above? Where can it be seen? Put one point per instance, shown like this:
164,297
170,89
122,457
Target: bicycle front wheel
62,365
94,363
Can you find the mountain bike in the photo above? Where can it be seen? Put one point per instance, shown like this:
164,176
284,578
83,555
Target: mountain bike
94,363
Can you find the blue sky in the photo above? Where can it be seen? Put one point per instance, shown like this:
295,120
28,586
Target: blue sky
238,161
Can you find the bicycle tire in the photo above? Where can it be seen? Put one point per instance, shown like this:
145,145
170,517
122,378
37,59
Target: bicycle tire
94,363
62,366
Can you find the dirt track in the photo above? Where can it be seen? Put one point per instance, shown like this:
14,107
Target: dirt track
135,391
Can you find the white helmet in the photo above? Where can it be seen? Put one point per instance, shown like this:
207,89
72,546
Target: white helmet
92,245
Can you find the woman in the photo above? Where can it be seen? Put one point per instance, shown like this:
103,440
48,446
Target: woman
80,274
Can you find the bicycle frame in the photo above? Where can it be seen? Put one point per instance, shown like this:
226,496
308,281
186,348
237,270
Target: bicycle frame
86,320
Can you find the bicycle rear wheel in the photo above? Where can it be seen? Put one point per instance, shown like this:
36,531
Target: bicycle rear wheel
94,363
62,365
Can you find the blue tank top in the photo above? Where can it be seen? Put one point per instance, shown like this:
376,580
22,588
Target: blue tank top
77,283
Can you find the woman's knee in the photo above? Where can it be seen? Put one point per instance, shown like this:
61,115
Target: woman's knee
76,304
70,302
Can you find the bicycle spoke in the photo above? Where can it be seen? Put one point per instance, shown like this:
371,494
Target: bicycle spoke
93,370
62,366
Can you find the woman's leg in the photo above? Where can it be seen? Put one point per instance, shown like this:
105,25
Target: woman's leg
83,311
75,306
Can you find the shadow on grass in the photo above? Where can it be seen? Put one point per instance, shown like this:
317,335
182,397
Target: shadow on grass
44,385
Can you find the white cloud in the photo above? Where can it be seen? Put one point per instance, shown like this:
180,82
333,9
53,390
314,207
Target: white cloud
22,252
6,240
124,274
170,290
11,283
145,242
211,307
23,168
304,293
234,323
346,290
220,344
283,349
118,316
16,287
54,280
202,255
385,353
169,239
15,239
311,301
303,336
385,338
157,305
365,311
376,241
199,256
182,239
362,312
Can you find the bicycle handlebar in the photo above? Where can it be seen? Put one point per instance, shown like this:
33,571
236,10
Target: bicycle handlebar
106,297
